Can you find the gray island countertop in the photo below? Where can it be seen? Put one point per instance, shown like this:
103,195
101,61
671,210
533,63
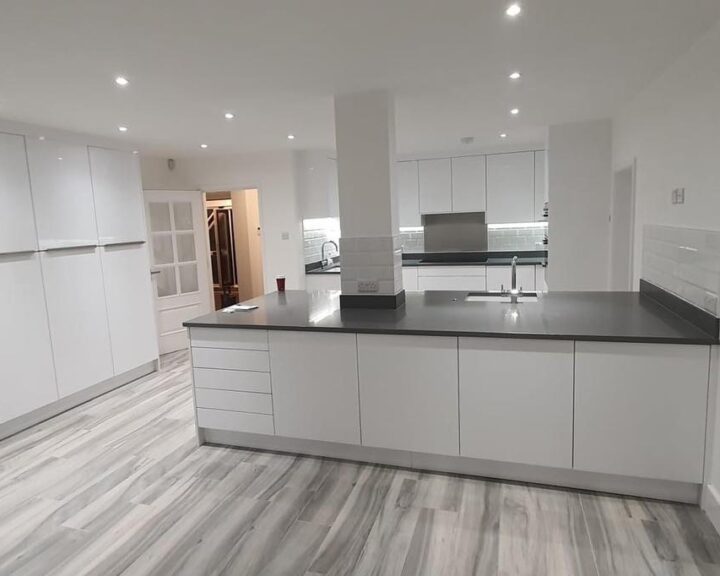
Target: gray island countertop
599,316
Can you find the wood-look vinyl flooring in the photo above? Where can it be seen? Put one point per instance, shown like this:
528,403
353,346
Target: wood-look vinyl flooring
119,486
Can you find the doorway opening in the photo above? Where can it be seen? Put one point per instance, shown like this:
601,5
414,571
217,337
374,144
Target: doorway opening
234,234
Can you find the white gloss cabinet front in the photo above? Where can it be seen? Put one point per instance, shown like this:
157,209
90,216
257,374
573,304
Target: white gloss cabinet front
131,316
17,220
516,400
408,392
315,385
62,194
78,318
640,409
117,189
27,377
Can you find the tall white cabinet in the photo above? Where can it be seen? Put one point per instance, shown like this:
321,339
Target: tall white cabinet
62,194
17,221
511,188
118,194
27,376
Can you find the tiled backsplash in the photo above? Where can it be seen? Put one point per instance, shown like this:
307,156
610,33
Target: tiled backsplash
508,237
316,232
412,240
683,261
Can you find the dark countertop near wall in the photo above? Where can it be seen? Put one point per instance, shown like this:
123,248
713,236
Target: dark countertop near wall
534,258
598,316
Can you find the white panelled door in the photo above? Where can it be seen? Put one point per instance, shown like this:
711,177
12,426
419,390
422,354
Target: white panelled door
179,262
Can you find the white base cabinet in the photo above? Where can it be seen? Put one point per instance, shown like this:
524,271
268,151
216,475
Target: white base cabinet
27,377
131,316
315,385
640,409
408,392
78,318
516,400
471,278
410,278
327,281
500,277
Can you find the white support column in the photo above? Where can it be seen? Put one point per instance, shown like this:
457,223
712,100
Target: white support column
369,247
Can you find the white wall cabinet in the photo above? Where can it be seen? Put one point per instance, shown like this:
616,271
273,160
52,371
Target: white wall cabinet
516,400
435,185
640,409
468,184
315,385
510,188
62,194
27,377
117,189
408,392
78,318
408,194
541,195
131,316
501,276
17,221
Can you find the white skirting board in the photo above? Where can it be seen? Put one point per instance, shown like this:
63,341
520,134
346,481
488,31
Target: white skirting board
36,416
641,487
710,503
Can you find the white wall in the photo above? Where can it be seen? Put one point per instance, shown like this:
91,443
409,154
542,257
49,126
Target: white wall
579,185
672,128
272,174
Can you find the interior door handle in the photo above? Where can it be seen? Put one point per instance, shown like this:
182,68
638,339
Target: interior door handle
153,272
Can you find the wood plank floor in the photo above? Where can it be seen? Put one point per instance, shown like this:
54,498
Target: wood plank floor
118,486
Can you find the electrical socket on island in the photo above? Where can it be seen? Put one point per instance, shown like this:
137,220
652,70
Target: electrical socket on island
367,286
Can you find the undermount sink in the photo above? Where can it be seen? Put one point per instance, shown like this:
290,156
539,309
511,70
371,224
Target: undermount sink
500,297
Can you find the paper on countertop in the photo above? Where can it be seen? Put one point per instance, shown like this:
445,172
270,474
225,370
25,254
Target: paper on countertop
236,307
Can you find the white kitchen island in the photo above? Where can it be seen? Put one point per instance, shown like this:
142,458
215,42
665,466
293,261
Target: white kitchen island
518,392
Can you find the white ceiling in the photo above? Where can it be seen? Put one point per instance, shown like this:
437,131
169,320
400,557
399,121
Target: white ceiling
277,63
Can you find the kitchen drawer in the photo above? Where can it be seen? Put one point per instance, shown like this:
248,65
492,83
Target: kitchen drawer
235,421
229,338
451,270
470,283
240,381
255,360
238,401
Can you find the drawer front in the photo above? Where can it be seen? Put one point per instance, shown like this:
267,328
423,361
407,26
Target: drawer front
476,283
235,421
229,338
255,360
240,381
238,401
451,271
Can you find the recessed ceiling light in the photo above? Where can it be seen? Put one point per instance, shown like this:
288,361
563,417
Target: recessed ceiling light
229,115
514,76
515,111
136,152
503,135
203,146
41,137
513,10
121,81
291,136
122,128
59,157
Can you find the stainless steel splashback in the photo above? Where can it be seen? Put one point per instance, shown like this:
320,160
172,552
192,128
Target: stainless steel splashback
455,232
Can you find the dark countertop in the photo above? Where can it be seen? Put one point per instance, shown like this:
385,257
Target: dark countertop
603,316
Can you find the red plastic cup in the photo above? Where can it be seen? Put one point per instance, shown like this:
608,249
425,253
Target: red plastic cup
280,281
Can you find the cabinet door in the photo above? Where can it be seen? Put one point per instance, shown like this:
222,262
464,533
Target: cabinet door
540,185
131,315
435,185
408,392
315,386
540,284
499,277
410,278
640,409
468,184
27,377
117,188
322,282
474,283
516,400
78,318
408,194
17,222
62,194
511,188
